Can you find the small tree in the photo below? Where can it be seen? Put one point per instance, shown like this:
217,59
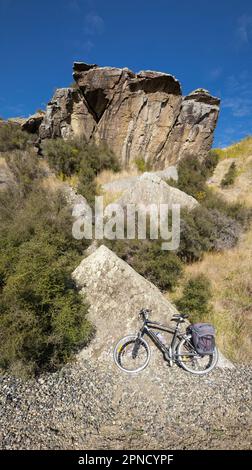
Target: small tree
195,298
230,176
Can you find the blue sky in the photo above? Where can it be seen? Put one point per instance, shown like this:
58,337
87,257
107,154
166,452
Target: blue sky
203,43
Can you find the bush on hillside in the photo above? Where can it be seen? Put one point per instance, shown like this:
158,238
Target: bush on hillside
229,177
237,211
142,165
205,230
43,319
77,157
24,167
66,157
196,234
192,175
195,299
13,138
63,156
162,268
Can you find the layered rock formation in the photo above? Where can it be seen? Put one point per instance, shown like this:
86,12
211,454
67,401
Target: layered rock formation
141,115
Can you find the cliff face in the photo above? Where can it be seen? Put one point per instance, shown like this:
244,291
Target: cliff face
139,115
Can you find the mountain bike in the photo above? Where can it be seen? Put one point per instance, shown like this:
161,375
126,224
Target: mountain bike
132,353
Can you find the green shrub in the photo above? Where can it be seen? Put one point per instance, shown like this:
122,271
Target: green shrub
237,211
162,268
211,161
195,298
142,165
24,165
192,175
13,138
76,156
42,317
63,155
196,234
230,176
203,230
67,157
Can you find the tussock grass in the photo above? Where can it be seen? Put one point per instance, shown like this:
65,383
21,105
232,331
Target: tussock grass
240,191
230,271
239,150
110,197
107,176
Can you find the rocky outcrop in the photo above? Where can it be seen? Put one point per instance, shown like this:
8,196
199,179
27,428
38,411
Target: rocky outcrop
136,115
32,123
193,131
67,114
150,189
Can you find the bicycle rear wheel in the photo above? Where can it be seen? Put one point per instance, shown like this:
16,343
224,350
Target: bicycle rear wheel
192,362
132,354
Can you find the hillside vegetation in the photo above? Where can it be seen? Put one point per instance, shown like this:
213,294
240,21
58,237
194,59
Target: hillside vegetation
43,320
230,271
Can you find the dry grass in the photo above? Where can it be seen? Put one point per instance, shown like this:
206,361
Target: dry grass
107,176
240,191
51,183
239,150
230,272
110,197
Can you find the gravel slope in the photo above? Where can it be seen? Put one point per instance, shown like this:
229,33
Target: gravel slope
85,406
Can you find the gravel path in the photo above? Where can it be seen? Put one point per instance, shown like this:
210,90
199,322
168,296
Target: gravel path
85,406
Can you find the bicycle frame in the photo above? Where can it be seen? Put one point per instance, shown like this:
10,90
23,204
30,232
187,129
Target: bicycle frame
170,351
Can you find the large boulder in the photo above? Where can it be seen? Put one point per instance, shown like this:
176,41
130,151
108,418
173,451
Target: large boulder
136,114
150,189
116,293
122,184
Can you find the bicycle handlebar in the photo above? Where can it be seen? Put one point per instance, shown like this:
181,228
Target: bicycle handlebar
144,312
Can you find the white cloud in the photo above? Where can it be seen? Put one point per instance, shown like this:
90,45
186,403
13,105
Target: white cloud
216,73
94,24
238,95
239,106
244,29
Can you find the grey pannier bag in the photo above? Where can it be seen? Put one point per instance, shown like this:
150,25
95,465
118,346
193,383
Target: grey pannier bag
203,337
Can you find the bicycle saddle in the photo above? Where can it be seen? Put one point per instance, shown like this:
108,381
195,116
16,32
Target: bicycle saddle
179,317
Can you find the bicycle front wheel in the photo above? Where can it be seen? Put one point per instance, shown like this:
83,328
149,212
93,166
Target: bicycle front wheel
192,362
132,354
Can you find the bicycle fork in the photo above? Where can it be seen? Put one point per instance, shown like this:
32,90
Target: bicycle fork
136,345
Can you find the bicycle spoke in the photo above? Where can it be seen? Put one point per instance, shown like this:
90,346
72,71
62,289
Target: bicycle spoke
131,357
